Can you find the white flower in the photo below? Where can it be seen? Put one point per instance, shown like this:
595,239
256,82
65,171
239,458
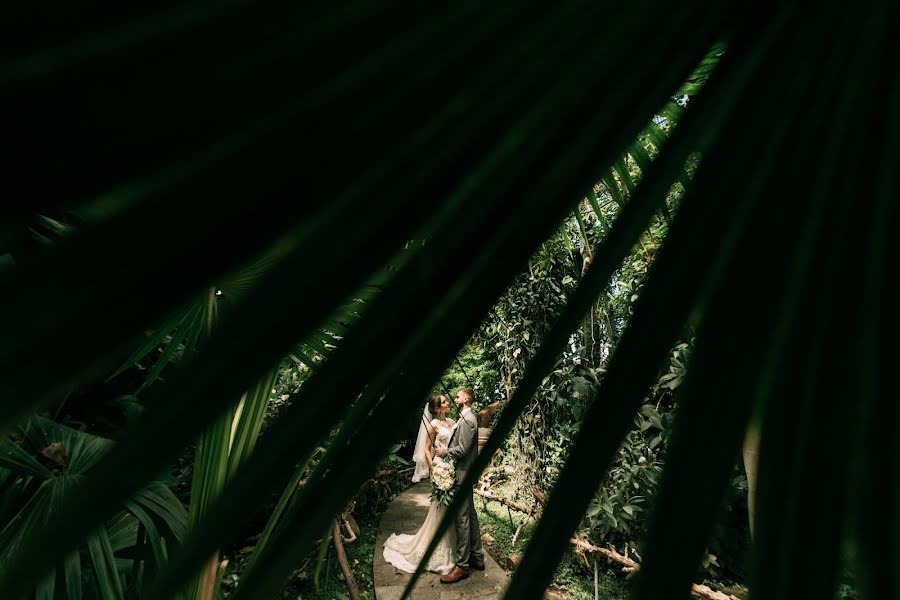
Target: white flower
443,475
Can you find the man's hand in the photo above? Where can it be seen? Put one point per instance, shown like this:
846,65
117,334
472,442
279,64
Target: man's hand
442,452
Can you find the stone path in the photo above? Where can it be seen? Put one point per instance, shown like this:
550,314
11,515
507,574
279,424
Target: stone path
405,514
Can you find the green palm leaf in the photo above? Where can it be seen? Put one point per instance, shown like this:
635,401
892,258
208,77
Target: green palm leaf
406,140
72,454
110,587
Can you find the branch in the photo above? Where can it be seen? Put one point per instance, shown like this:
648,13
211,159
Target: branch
392,472
630,566
505,502
347,540
387,474
702,591
342,559
529,513
519,529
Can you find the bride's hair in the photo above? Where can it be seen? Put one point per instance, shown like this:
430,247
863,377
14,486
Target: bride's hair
434,405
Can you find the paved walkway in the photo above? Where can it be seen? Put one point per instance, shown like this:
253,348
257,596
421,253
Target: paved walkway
405,514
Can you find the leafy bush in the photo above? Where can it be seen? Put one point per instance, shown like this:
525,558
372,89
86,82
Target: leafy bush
41,466
616,514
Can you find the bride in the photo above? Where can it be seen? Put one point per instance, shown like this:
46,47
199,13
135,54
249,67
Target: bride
405,551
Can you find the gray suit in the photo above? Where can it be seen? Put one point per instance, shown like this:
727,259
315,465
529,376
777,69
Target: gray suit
464,449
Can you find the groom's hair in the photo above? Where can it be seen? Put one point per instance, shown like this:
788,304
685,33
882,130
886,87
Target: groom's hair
470,395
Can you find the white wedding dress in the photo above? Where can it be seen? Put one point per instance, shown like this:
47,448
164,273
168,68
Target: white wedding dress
405,551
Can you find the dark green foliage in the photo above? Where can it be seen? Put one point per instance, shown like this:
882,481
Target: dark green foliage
573,576
193,139
366,508
472,368
41,467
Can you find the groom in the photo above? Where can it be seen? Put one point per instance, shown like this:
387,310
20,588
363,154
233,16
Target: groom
463,448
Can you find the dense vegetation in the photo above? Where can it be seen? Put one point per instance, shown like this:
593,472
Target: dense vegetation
641,231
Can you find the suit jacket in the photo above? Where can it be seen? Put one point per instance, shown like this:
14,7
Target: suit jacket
463,445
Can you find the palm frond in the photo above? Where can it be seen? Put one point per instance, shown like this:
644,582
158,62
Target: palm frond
72,454
407,141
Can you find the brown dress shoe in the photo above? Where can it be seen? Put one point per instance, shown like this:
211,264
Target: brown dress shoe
476,563
457,574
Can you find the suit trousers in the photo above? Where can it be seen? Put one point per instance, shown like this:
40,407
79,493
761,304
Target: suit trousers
468,533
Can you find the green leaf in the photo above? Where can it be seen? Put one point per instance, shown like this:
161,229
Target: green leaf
184,331
80,452
72,575
380,148
13,457
157,544
46,588
105,569
150,343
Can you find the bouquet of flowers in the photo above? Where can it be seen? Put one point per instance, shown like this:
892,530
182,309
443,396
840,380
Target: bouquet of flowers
443,478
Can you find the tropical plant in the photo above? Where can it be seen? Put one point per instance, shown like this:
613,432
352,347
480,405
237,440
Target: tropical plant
41,467
338,134
473,368
221,449
516,325
232,436
615,512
